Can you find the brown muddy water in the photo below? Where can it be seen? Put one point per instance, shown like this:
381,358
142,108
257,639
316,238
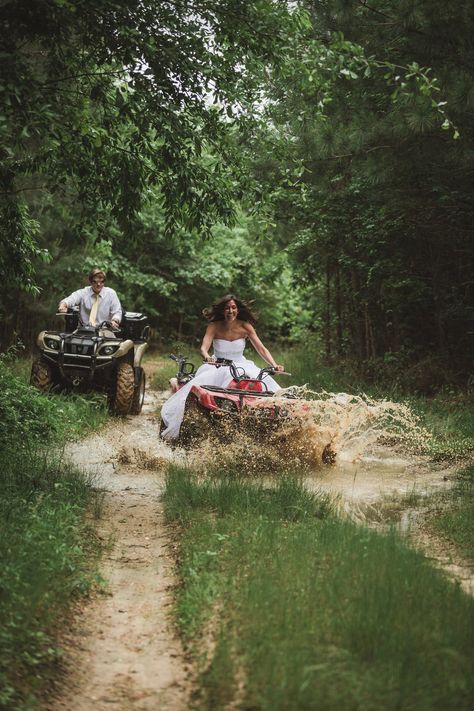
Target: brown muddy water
373,442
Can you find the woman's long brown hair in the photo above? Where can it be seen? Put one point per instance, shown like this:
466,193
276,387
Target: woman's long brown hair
216,311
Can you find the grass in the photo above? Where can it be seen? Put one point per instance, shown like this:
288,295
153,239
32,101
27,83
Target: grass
454,519
47,548
288,607
29,418
167,370
47,552
450,416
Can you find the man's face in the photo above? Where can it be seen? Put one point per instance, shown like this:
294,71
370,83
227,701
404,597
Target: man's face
97,284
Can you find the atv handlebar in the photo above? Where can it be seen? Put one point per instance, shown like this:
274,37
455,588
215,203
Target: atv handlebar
272,371
238,373
185,366
269,370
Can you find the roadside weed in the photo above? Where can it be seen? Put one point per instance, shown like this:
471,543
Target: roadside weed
47,548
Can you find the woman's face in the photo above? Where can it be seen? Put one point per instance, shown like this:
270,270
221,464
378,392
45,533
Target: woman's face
230,310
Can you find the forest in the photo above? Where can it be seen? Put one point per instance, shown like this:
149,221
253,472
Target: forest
308,546
315,157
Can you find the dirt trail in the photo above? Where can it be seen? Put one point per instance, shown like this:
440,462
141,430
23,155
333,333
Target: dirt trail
123,652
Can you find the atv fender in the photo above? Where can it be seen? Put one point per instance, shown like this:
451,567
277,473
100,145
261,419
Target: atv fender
124,349
40,340
139,351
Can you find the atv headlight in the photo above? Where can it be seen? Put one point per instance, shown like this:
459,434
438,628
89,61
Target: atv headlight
52,343
109,348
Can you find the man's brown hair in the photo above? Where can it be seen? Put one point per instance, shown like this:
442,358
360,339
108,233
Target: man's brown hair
96,271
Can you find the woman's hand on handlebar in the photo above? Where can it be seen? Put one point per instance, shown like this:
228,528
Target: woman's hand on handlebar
210,360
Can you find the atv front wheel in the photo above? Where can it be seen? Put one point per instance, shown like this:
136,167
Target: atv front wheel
138,394
195,425
41,376
124,390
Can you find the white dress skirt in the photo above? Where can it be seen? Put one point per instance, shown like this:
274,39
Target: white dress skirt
172,412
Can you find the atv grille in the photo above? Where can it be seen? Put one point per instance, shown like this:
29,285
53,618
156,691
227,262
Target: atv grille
79,348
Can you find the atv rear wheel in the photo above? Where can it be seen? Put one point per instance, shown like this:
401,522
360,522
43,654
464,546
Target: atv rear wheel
138,393
124,390
41,376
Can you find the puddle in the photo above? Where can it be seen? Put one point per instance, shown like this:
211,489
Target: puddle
379,475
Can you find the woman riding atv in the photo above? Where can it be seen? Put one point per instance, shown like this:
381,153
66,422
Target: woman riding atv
230,325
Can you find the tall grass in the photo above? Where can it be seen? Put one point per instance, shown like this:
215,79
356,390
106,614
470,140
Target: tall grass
450,416
311,612
29,418
46,547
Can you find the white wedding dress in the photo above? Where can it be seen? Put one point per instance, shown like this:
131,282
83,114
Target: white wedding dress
172,411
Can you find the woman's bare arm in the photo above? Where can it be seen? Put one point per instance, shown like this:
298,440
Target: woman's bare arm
207,342
260,348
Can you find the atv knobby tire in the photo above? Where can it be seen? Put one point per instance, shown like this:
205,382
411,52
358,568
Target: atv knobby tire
41,376
138,394
196,424
125,388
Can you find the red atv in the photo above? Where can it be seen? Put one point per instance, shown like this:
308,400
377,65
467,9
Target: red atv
246,403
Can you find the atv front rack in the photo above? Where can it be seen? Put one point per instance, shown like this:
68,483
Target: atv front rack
235,391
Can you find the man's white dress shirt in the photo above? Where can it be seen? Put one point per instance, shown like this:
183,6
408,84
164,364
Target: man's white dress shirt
109,305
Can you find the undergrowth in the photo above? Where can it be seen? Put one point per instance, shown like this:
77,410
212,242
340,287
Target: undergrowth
30,418
47,548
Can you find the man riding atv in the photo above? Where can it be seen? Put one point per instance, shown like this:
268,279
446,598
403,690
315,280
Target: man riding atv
100,348
97,303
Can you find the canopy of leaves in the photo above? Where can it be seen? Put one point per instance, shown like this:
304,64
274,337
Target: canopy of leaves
103,100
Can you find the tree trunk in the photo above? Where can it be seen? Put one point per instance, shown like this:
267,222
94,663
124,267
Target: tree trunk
327,316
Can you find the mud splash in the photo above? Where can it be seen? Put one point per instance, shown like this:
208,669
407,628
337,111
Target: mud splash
313,429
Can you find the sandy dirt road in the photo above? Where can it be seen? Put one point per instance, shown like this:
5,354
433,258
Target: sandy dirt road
122,652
